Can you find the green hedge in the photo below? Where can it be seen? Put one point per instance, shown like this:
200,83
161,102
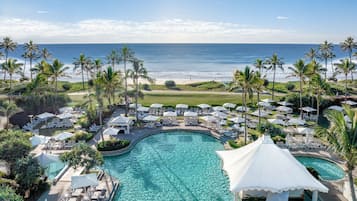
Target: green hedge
110,145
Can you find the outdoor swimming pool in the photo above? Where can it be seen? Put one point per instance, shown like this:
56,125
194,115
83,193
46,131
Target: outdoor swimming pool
53,169
171,166
327,169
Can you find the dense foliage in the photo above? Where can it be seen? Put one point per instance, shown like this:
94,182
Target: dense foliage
8,194
110,145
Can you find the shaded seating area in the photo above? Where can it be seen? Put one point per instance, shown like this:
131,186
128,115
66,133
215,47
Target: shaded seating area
181,109
151,121
121,123
156,109
169,118
191,118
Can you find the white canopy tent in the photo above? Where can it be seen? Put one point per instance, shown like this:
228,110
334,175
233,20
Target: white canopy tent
203,106
219,109
63,136
39,139
122,122
150,118
169,118
190,118
156,109
210,121
156,105
111,131
229,105
83,181
265,168
181,108
45,159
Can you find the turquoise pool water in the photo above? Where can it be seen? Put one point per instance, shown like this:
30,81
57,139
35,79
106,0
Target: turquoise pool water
327,170
171,166
53,169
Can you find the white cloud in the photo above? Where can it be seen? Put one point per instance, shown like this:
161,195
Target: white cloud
42,12
161,31
282,18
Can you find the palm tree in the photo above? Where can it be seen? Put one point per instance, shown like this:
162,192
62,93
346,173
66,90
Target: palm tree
32,53
45,54
299,70
41,68
97,65
342,137
8,108
55,71
111,81
331,56
81,63
113,58
344,67
312,54
12,67
326,50
138,73
274,62
313,68
9,46
348,45
127,55
244,80
320,86
259,64
24,55
258,85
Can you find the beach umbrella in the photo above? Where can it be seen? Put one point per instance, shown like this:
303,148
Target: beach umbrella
190,114
203,106
219,109
169,114
262,113
264,104
229,105
63,136
242,109
296,121
111,131
39,139
284,103
181,106
335,107
236,120
132,105
218,114
284,109
156,105
267,100
276,121
143,109
150,118
304,130
45,159
308,109
349,102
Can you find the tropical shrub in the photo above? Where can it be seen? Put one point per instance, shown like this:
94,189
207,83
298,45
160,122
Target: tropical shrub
110,145
66,86
13,146
146,87
290,86
234,144
82,136
27,172
7,193
170,84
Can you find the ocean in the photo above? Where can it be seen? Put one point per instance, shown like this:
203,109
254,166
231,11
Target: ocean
187,62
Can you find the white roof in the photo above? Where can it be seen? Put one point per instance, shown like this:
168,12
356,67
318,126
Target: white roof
242,109
284,103
182,106
220,115
143,109
304,130
111,131
150,118
119,121
38,139
45,115
229,105
132,105
45,159
263,166
63,136
284,109
156,105
65,109
335,107
296,121
203,106
219,109
262,113
169,114
65,116
349,102
267,100
85,180
190,114
237,120
276,121
209,119
308,109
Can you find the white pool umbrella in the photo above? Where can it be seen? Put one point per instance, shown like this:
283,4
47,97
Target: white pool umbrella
150,118
236,120
284,109
181,106
111,131
276,121
229,105
308,109
284,103
169,114
336,107
264,104
242,109
190,114
219,109
220,115
203,106
296,121
209,119
262,113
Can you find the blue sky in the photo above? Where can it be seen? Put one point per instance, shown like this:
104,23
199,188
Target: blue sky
151,21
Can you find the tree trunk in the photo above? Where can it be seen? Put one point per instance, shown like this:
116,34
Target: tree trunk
30,69
300,98
258,96
352,69
318,106
23,72
136,99
325,69
272,97
10,80
82,77
56,91
245,116
126,90
346,87
352,187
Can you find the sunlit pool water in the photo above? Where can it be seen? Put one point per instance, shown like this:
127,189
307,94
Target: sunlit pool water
171,166
327,169
54,169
